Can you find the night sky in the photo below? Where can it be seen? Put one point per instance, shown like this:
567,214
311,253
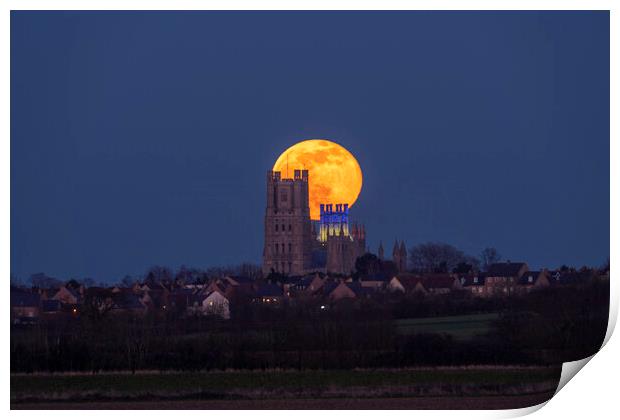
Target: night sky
143,138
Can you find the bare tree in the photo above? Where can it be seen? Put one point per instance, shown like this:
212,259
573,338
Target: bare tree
433,257
250,270
489,256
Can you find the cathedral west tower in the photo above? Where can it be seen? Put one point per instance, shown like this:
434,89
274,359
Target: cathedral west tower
288,230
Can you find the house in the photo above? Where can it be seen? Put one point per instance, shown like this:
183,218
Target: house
98,299
67,296
378,281
502,278
269,293
439,283
474,283
316,284
180,299
362,291
127,303
533,280
50,307
155,300
217,285
569,277
406,283
213,304
25,307
341,290
301,284
238,280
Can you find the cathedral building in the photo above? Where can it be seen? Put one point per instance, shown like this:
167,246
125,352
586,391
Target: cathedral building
294,244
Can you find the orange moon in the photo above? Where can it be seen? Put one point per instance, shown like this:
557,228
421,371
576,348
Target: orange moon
334,175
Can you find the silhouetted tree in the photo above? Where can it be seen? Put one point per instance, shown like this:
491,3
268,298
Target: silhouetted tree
367,264
44,281
489,256
127,281
250,270
463,268
432,257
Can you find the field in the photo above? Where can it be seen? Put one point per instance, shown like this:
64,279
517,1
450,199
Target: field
473,387
459,327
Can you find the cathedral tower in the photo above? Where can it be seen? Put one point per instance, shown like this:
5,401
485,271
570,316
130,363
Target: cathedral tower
344,243
399,256
288,230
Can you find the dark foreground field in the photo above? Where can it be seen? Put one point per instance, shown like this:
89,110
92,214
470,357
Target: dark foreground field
413,403
441,388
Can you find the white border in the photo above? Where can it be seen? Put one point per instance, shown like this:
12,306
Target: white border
589,395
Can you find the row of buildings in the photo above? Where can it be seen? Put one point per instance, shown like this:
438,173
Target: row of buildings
221,296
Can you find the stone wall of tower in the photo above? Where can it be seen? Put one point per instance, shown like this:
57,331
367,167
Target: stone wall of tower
288,235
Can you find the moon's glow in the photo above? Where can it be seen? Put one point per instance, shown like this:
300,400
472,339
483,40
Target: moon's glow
334,175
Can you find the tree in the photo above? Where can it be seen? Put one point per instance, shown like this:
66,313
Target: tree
463,268
433,257
250,270
489,256
73,284
43,281
367,264
127,281
370,265
159,274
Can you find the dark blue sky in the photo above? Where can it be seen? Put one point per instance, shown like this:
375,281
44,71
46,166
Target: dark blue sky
142,138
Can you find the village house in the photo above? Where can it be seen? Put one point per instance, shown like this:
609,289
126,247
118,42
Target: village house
128,304
67,296
502,278
270,294
316,284
339,290
406,283
425,283
50,307
438,284
378,281
473,283
532,280
212,304
25,307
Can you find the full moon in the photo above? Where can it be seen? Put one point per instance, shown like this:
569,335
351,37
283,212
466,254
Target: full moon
335,177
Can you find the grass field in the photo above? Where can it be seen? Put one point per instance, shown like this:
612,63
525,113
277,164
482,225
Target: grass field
462,327
475,382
